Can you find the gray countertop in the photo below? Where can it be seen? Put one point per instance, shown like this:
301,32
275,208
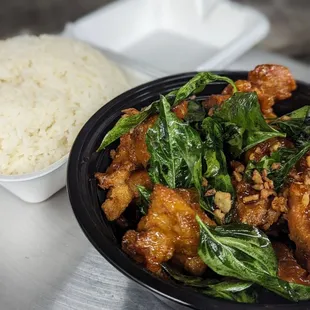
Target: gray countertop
47,263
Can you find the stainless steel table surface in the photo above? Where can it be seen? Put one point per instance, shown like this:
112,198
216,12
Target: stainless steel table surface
47,263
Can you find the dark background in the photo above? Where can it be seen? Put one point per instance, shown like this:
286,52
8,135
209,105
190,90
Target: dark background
289,35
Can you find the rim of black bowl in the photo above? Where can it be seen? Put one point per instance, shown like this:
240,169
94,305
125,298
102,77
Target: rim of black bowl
77,179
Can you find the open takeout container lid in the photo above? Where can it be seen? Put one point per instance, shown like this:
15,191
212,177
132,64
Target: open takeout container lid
171,36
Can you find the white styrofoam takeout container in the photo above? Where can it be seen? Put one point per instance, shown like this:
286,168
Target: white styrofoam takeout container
39,186
172,36
150,39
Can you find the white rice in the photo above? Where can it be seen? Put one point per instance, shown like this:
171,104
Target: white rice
49,88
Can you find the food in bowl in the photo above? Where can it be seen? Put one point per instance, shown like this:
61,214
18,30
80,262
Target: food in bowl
49,87
219,187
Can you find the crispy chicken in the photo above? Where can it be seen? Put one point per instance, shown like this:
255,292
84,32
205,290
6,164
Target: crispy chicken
181,109
131,154
214,101
126,171
298,218
132,150
271,83
288,268
168,230
255,209
257,202
122,185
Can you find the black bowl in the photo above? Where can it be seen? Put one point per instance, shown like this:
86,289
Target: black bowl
86,198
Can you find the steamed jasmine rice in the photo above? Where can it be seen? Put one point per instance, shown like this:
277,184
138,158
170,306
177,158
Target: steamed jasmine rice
49,88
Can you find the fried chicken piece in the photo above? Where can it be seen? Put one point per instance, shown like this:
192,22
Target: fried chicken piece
122,176
139,177
132,149
129,246
298,218
122,185
271,83
124,157
181,109
142,155
169,229
194,265
299,210
257,202
275,83
252,208
214,101
288,268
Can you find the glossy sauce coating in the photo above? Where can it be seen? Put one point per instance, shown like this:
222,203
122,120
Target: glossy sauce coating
288,268
299,221
181,109
169,229
257,202
124,173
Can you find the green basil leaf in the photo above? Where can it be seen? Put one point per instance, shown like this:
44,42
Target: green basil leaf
243,252
243,123
197,181
245,296
233,137
229,289
300,113
287,158
288,290
298,292
215,159
198,83
195,112
195,85
297,127
265,163
144,200
231,285
125,124
175,148
188,280
236,250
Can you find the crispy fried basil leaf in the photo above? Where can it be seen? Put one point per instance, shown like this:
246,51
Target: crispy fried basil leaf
229,289
194,86
144,199
298,292
214,159
244,252
247,296
125,124
243,123
297,126
195,112
175,148
231,248
198,83
288,290
287,158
